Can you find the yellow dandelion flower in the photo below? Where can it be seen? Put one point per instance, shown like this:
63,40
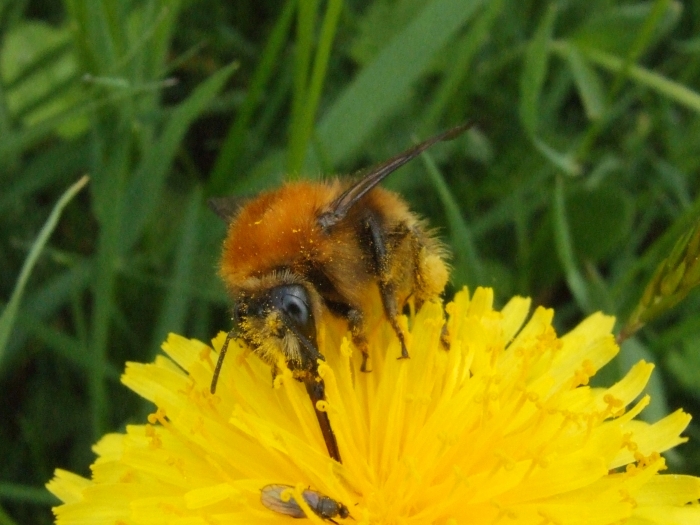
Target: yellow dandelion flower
502,428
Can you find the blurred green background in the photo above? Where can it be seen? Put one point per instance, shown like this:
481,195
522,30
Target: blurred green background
577,179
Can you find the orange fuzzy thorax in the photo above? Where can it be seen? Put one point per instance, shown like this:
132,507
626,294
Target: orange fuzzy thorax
277,229
278,234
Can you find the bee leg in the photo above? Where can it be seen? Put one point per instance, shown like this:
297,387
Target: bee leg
356,325
275,372
430,274
361,343
445,337
387,288
388,293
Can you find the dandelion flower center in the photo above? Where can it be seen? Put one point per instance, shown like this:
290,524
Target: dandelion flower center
500,428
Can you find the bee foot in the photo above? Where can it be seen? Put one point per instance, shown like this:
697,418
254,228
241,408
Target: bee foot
445,338
363,366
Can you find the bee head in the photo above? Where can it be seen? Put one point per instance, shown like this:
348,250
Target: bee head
279,322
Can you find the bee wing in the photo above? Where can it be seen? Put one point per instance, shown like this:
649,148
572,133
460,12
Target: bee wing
226,207
271,497
339,208
313,499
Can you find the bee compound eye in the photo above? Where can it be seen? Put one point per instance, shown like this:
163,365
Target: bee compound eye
296,308
293,301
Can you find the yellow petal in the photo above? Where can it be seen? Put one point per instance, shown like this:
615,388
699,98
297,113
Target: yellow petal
68,487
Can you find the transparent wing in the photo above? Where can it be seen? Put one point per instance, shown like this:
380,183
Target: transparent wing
271,497
313,499
339,207
226,207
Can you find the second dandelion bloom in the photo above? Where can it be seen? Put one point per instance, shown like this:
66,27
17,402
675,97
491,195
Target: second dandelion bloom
502,428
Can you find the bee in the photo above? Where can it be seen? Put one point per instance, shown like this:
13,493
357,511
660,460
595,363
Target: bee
295,253
324,507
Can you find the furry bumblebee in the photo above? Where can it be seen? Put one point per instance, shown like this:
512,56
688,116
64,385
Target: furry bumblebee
295,253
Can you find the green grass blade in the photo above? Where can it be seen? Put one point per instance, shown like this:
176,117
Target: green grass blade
302,126
235,141
67,347
155,166
176,303
45,60
96,42
9,159
563,161
588,85
5,518
22,140
565,249
150,49
23,493
467,267
664,86
641,42
109,206
44,302
535,71
45,169
9,314
468,47
58,91
379,88
303,49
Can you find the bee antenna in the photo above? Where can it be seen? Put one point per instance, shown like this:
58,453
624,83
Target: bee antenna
220,361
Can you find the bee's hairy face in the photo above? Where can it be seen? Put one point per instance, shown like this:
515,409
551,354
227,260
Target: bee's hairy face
278,324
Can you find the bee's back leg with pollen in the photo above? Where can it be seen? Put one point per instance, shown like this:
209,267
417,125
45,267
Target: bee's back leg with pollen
387,288
419,277
429,274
